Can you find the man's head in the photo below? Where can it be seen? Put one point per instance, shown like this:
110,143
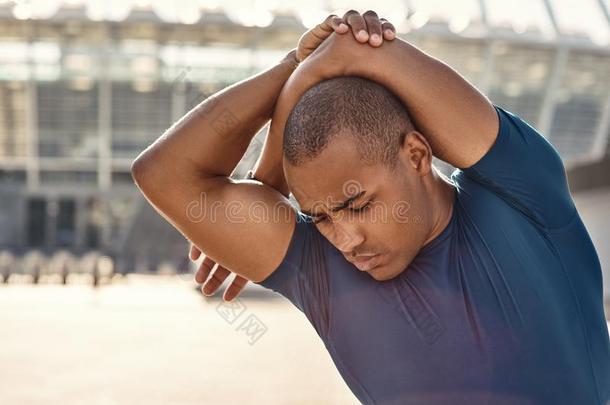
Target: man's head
350,137
373,116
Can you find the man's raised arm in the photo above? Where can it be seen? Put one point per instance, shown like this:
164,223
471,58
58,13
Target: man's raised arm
458,121
244,225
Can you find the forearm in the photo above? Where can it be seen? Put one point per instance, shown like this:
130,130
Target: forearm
457,120
268,168
447,109
210,139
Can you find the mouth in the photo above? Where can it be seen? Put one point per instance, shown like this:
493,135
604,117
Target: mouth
366,263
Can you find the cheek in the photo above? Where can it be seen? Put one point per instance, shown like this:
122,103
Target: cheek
406,209
396,237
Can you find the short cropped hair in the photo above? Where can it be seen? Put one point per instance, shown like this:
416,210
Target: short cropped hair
375,117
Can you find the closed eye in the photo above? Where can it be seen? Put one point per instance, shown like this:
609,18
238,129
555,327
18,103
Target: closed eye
320,219
361,209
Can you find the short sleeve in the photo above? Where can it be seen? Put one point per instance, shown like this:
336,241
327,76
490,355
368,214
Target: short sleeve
524,169
302,275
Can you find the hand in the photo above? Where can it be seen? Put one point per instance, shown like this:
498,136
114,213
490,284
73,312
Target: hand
365,28
219,275
340,55
368,27
333,55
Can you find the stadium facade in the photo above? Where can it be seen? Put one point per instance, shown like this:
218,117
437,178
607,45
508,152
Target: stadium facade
86,85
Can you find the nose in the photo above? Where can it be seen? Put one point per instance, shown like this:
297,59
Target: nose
346,237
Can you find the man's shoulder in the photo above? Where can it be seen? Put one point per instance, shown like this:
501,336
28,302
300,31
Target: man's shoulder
480,197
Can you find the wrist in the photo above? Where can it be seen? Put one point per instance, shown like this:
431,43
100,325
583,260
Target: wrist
376,64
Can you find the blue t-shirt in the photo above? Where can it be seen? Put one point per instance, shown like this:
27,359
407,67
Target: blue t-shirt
503,307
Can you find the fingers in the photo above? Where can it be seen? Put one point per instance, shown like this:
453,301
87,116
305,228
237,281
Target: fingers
237,285
358,24
389,32
312,39
194,252
368,27
204,270
374,27
337,24
330,24
218,277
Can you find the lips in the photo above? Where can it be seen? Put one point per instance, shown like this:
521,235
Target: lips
366,263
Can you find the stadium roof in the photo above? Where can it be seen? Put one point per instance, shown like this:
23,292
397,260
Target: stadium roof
578,21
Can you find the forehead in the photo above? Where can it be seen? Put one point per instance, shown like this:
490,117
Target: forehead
335,175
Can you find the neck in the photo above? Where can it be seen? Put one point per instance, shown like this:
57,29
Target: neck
442,194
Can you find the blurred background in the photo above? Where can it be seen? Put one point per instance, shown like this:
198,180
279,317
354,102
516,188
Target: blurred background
97,301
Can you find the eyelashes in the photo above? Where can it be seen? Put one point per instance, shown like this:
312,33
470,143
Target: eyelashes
354,210
360,209
317,221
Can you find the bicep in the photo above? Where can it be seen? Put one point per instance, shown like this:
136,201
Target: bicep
523,167
458,121
461,123
245,226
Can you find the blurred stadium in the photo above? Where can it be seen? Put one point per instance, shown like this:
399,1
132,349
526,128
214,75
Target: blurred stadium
86,85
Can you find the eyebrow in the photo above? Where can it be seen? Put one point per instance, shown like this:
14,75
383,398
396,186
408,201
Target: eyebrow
339,207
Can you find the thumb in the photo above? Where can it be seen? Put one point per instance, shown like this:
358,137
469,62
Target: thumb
330,24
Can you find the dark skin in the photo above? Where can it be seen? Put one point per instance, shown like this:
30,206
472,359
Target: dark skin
459,124
397,212
428,90
269,168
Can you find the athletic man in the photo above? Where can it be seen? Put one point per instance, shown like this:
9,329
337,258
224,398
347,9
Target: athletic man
480,289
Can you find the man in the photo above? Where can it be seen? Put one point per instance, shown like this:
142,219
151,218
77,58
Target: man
479,289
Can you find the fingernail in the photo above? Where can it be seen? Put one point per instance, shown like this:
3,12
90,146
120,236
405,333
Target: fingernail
375,38
363,35
342,26
389,33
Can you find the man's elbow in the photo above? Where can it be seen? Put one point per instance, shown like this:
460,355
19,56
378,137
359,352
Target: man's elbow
141,170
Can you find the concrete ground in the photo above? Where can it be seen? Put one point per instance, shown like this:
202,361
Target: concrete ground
155,340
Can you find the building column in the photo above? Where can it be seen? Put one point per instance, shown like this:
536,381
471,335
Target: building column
31,132
104,123
549,101
600,142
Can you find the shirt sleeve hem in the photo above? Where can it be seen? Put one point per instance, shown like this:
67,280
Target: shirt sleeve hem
500,137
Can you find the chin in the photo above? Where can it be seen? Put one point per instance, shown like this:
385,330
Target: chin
384,273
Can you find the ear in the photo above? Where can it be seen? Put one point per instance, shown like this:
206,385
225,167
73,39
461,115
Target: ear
417,150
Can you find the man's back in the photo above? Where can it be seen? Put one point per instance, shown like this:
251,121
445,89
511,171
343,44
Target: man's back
504,306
